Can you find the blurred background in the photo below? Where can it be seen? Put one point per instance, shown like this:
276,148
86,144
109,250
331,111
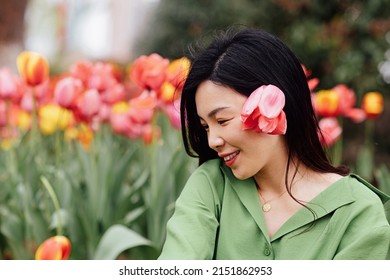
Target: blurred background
340,41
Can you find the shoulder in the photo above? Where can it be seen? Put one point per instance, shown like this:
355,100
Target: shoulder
206,183
363,190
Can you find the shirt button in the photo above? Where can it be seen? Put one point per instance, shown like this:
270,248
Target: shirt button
267,251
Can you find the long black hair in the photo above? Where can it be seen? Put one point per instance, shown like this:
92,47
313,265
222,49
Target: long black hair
244,60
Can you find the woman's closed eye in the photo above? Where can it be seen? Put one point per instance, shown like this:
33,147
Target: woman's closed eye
223,121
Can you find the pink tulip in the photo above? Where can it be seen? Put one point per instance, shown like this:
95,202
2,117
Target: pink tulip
67,91
114,94
9,84
173,112
89,103
101,77
271,102
263,111
347,99
27,102
142,107
120,122
330,129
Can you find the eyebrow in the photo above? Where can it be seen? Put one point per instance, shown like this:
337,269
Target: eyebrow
215,111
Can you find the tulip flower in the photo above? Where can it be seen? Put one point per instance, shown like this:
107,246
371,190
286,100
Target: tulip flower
9,85
149,72
326,103
173,111
53,117
372,104
347,99
67,91
114,94
89,103
177,72
263,111
55,248
33,68
142,107
330,131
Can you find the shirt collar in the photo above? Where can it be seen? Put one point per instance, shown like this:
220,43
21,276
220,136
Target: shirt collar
333,197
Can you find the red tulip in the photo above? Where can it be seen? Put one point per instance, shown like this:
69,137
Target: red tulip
33,68
55,248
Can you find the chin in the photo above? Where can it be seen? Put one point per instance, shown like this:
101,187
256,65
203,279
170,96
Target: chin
240,175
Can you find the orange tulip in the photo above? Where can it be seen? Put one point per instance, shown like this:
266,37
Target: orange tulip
326,102
149,72
177,71
373,104
33,68
55,248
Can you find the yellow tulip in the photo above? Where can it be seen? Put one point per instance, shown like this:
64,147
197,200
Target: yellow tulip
53,117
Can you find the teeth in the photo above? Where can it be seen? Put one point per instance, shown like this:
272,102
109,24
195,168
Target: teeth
229,157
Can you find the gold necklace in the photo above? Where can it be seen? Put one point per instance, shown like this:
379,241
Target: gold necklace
266,205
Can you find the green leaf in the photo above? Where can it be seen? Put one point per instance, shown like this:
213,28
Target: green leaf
116,240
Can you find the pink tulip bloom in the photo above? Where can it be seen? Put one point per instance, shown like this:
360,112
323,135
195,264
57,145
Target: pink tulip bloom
67,91
120,122
89,103
173,112
263,111
142,107
114,94
330,130
101,77
347,99
27,102
9,84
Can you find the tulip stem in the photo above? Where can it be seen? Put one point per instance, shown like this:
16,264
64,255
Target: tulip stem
55,201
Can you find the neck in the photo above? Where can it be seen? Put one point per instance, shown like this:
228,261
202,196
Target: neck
274,181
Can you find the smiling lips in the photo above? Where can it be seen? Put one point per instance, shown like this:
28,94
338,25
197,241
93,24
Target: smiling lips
229,159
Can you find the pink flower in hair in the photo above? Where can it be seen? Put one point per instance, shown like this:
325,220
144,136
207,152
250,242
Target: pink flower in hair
263,111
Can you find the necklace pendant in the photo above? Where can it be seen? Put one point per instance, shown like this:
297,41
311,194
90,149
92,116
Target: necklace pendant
266,207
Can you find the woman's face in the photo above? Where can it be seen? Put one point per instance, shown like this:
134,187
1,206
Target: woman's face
246,152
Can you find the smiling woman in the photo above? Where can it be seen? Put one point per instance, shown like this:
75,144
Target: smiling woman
265,188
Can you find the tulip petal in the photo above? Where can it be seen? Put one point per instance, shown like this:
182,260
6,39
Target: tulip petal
272,101
252,103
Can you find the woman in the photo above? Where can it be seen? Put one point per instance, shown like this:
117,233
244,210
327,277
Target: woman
265,188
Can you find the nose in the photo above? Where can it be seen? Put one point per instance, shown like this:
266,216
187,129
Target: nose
215,141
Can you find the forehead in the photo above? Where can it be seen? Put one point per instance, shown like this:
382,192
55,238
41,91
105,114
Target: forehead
210,96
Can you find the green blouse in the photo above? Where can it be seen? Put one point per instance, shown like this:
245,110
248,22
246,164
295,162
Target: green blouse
219,217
